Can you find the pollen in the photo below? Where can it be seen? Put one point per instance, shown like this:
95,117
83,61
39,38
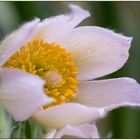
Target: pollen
52,63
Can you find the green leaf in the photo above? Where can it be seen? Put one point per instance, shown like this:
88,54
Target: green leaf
5,124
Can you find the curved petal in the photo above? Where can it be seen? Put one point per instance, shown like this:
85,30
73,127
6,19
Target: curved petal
109,94
96,51
79,131
16,39
68,113
21,93
50,134
51,29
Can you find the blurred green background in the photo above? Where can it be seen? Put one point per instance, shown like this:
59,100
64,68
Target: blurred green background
122,17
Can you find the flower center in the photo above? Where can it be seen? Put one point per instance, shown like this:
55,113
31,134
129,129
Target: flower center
53,78
51,62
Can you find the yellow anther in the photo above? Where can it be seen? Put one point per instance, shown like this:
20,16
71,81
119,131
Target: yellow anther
52,63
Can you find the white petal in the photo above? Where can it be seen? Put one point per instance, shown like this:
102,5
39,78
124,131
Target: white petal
79,131
21,93
68,113
96,51
51,29
50,134
109,94
16,39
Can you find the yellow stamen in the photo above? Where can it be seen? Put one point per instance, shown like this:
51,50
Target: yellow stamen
51,62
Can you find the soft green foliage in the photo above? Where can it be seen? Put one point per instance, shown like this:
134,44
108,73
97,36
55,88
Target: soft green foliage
5,124
27,129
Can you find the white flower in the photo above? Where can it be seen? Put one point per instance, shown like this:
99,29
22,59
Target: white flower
48,54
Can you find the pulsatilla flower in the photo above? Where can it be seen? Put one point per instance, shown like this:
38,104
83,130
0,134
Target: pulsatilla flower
47,71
